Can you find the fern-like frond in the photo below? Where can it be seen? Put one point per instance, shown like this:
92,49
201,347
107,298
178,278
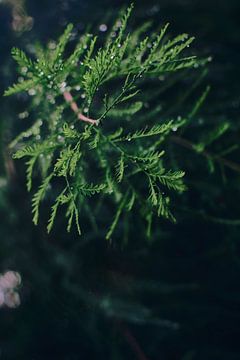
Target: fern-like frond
30,164
131,110
58,202
173,180
22,59
34,150
72,214
153,196
61,44
21,86
120,168
39,196
90,189
147,132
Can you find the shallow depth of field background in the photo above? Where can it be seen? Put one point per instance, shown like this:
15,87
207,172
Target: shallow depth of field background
179,296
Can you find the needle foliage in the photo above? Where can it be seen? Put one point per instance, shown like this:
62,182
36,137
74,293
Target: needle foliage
123,158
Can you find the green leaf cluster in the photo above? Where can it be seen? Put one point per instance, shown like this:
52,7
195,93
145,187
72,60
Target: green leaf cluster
128,148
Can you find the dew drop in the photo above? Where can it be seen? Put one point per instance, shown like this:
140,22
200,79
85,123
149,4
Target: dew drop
103,27
24,70
23,115
52,45
118,23
62,86
60,138
32,92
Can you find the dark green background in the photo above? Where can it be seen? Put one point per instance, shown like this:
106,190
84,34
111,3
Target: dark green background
179,296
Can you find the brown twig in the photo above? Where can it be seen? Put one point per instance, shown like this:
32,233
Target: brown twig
188,145
69,99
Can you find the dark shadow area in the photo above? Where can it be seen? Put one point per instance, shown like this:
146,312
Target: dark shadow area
177,297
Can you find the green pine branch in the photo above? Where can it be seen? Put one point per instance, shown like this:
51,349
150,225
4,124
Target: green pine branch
124,161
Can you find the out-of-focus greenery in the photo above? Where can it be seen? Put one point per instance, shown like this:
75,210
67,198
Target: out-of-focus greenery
178,296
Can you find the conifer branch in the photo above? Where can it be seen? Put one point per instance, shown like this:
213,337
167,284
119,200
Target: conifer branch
124,162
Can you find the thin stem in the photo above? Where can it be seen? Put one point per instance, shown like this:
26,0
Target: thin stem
188,145
69,99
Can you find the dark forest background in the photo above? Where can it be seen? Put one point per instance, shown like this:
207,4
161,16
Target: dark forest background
175,298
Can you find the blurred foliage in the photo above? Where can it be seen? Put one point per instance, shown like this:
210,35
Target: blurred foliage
176,297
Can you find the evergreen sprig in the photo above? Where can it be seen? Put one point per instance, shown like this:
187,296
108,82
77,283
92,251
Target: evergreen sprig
128,149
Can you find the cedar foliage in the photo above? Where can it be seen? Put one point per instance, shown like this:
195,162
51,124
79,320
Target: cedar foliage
127,147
